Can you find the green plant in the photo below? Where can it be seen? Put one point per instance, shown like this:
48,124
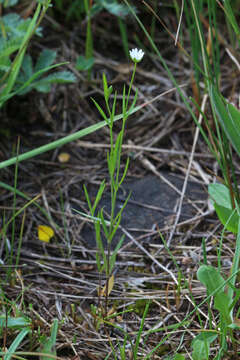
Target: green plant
122,349
206,62
106,262
35,152
225,196
30,77
65,140
18,76
23,326
85,63
215,285
18,41
201,345
47,346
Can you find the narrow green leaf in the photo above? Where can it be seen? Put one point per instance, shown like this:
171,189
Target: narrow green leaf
100,111
99,195
15,344
231,17
49,346
104,225
116,225
125,172
114,254
60,142
88,200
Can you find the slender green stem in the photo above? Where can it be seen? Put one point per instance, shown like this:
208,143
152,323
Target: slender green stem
131,82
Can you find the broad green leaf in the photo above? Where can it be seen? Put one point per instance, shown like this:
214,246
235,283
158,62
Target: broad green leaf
45,59
229,121
12,322
5,63
83,63
208,336
234,115
27,67
31,82
114,8
215,284
9,47
178,357
41,87
59,77
220,194
201,345
210,277
13,74
8,3
200,350
229,218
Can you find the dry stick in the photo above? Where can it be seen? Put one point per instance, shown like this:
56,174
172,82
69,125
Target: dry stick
179,24
148,254
171,152
233,58
188,170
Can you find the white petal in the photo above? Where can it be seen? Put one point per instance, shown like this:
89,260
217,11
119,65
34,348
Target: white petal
136,54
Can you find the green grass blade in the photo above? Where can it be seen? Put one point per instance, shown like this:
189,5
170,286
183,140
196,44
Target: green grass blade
67,139
16,342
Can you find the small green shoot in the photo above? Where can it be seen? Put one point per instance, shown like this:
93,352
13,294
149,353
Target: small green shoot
83,63
48,344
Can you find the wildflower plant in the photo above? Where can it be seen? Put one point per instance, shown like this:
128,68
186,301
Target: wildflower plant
106,260
17,74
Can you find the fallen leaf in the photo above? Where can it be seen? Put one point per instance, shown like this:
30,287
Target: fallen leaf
45,233
102,292
63,157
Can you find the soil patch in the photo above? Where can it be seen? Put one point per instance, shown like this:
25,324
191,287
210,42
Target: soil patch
153,205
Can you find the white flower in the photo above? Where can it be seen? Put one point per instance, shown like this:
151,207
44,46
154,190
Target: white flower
136,55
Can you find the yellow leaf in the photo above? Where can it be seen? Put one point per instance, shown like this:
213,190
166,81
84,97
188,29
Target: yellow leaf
45,233
102,292
63,157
